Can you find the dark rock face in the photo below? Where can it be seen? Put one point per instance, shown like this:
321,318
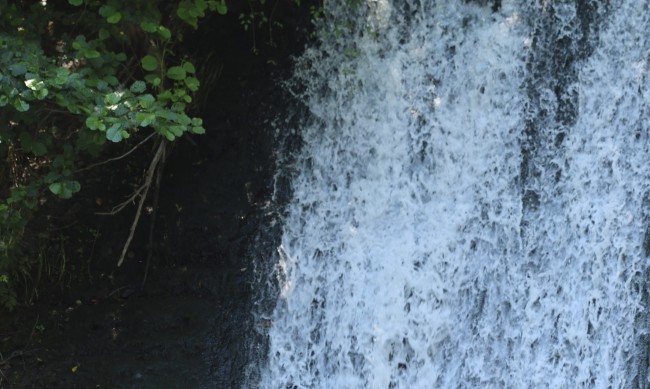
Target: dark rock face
191,324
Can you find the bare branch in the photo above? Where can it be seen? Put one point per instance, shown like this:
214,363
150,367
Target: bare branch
152,226
160,152
116,209
116,158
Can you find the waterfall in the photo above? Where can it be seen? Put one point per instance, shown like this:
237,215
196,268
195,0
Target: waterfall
470,199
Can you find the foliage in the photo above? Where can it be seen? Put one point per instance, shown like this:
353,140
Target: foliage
72,77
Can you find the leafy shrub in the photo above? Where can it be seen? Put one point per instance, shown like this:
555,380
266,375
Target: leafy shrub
67,87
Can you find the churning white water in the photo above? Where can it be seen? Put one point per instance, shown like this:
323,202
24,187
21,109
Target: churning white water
468,202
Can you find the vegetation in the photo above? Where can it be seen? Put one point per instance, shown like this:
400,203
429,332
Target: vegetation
75,78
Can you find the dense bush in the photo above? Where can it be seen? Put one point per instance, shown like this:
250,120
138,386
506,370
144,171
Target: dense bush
76,76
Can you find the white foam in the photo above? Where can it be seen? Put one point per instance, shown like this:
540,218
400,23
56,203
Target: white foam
402,259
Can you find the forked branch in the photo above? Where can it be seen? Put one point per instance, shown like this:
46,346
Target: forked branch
144,190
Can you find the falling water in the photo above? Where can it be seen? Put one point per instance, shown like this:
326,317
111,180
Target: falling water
470,200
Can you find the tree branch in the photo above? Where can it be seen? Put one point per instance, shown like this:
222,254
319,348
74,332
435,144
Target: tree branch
116,209
116,158
152,226
160,152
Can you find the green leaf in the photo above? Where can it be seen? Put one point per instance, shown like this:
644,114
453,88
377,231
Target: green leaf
182,13
197,121
189,67
152,79
145,118
222,8
164,32
177,130
4,100
61,77
94,123
27,95
146,101
51,177
179,107
169,115
149,26
56,188
113,133
188,13
98,138
184,119
165,96
79,42
90,54
113,98
65,189
17,69
34,84
41,93
178,94
194,12
76,3
106,10
100,85
73,186
121,109
201,5
112,80
138,87
114,18
176,73
104,34
149,63
192,83
170,137
21,106
198,130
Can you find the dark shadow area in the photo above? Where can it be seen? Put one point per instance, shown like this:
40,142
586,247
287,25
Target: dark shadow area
95,326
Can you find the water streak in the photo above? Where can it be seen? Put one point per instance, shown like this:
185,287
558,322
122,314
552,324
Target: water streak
468,205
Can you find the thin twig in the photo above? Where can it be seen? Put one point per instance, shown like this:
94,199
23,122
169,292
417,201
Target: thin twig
92,253
5,377
116,290
31,335
271,22
116,158
16,354
116,209
147,184
152,226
